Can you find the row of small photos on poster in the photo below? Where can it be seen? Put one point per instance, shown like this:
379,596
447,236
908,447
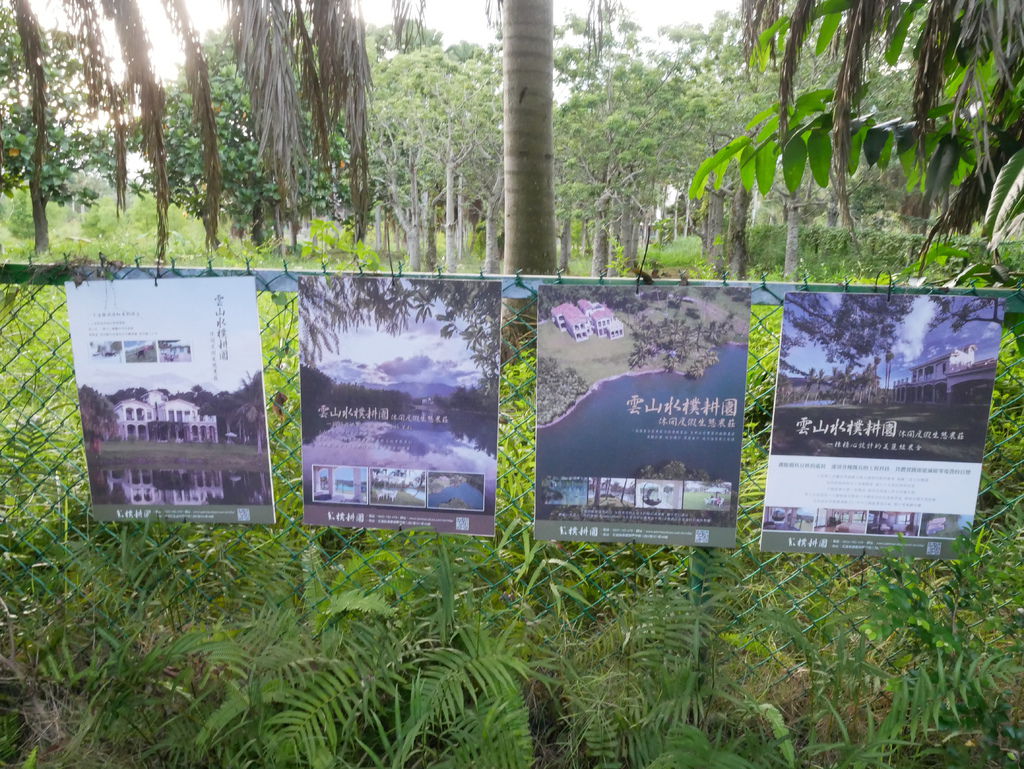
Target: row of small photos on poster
881,410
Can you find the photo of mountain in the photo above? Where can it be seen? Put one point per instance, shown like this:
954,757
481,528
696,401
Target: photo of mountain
401,376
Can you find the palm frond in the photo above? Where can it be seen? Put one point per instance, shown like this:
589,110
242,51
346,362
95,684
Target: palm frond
197,76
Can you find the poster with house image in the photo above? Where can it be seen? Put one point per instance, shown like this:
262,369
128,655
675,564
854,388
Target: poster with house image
399,378
881,412
171,399
640,412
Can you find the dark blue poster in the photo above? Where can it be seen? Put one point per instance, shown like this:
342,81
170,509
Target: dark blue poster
640,413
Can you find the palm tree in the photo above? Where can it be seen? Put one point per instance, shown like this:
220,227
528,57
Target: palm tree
528,55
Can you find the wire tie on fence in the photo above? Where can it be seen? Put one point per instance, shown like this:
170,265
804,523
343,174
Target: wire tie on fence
519,279
248,265
877,275
400,265
725,277
764,280
892,285
806,287
359,265
558,273
209,265
974,288
481,272
846,285
138,262
438,272
600,278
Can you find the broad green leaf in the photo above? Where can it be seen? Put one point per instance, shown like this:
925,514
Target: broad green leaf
819,152
941,167
716,163
812,101
765,162
874,143
857,134
762,116
794,158
748,166
830,7
1006,201
829,25
899,35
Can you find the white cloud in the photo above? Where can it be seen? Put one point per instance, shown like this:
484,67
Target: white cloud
910,343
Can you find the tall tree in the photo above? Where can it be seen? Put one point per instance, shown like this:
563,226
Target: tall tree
528,56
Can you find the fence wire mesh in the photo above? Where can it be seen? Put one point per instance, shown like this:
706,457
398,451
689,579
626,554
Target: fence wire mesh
58,564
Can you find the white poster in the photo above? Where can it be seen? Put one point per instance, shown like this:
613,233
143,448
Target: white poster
170,387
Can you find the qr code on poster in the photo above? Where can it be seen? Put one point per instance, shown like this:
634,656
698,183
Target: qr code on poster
933,548
702,536
243,515
462,524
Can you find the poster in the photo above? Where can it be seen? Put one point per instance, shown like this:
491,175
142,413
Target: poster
640,413
170,387
881,411
399,383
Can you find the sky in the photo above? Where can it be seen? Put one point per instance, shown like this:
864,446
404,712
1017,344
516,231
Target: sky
420,354
916,342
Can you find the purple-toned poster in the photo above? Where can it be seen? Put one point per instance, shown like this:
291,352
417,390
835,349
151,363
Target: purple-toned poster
399,383
640,413
170,388
881,411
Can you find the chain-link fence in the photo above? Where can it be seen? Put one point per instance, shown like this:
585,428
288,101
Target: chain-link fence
57,564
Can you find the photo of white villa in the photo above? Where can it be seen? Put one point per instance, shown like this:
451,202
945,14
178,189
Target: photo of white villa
159,418
948,378
586,319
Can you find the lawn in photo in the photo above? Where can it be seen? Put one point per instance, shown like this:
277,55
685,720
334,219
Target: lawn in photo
398,487
139,352
701,495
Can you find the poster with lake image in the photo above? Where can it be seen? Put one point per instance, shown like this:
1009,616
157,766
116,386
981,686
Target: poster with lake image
399,381
170,389
640,413
881,411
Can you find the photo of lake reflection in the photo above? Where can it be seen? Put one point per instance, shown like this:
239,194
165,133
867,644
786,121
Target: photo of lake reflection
640,393
401,377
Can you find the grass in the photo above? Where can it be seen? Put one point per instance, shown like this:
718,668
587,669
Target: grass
115,455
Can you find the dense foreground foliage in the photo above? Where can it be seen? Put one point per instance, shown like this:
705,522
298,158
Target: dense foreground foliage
165,645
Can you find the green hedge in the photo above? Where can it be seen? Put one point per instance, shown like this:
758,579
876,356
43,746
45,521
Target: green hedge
826,252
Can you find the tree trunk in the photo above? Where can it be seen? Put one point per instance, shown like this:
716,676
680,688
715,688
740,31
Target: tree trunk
412,233
492,256
792,211
528,62
566,242
460,226
258,236
39,221
599,262
739,258
686,218
378,236
713,229
628,237
451,236
585,237
430,263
